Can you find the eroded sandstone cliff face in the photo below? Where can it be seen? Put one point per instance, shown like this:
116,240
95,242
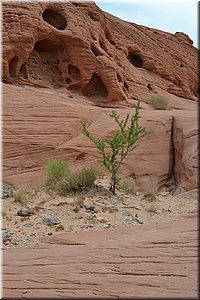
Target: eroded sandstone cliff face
77,46
67,61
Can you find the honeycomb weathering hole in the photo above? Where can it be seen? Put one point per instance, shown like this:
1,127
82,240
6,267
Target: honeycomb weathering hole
43,62
74,72
135,59
95,87
48,47
13,66
55,19
23,71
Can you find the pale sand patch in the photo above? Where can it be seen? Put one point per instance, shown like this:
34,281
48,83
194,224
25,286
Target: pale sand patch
73,216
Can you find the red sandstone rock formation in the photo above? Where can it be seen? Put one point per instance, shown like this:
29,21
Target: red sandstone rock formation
79,47
40,125
63,60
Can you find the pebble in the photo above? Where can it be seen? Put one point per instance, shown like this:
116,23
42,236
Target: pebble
128,221
28,225
76,209
59,228
89,206
29,238
138,221
139,194
5,233
51,221
6,191
106,226
112,210
163,194
126,213
135,207
117,197
25,212
48,210
102,204
88,225
101,220
15,243
6,236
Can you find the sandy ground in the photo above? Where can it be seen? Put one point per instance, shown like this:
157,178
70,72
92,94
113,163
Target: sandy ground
96,210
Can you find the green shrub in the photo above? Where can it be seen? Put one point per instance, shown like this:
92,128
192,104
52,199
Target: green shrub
123,141
158,102
72,182
79,181
85,178
125,185
57,170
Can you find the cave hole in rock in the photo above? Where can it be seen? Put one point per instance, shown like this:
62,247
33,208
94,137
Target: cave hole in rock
54,18
43,62
135,59
181,65
13,66
23,73
74,72
93,16
95,87
50,47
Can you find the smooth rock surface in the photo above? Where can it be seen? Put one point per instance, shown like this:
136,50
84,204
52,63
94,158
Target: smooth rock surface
152,261
36,129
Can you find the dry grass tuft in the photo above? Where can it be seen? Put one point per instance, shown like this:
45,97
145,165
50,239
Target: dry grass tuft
152,209
159,102
24,195
151,197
